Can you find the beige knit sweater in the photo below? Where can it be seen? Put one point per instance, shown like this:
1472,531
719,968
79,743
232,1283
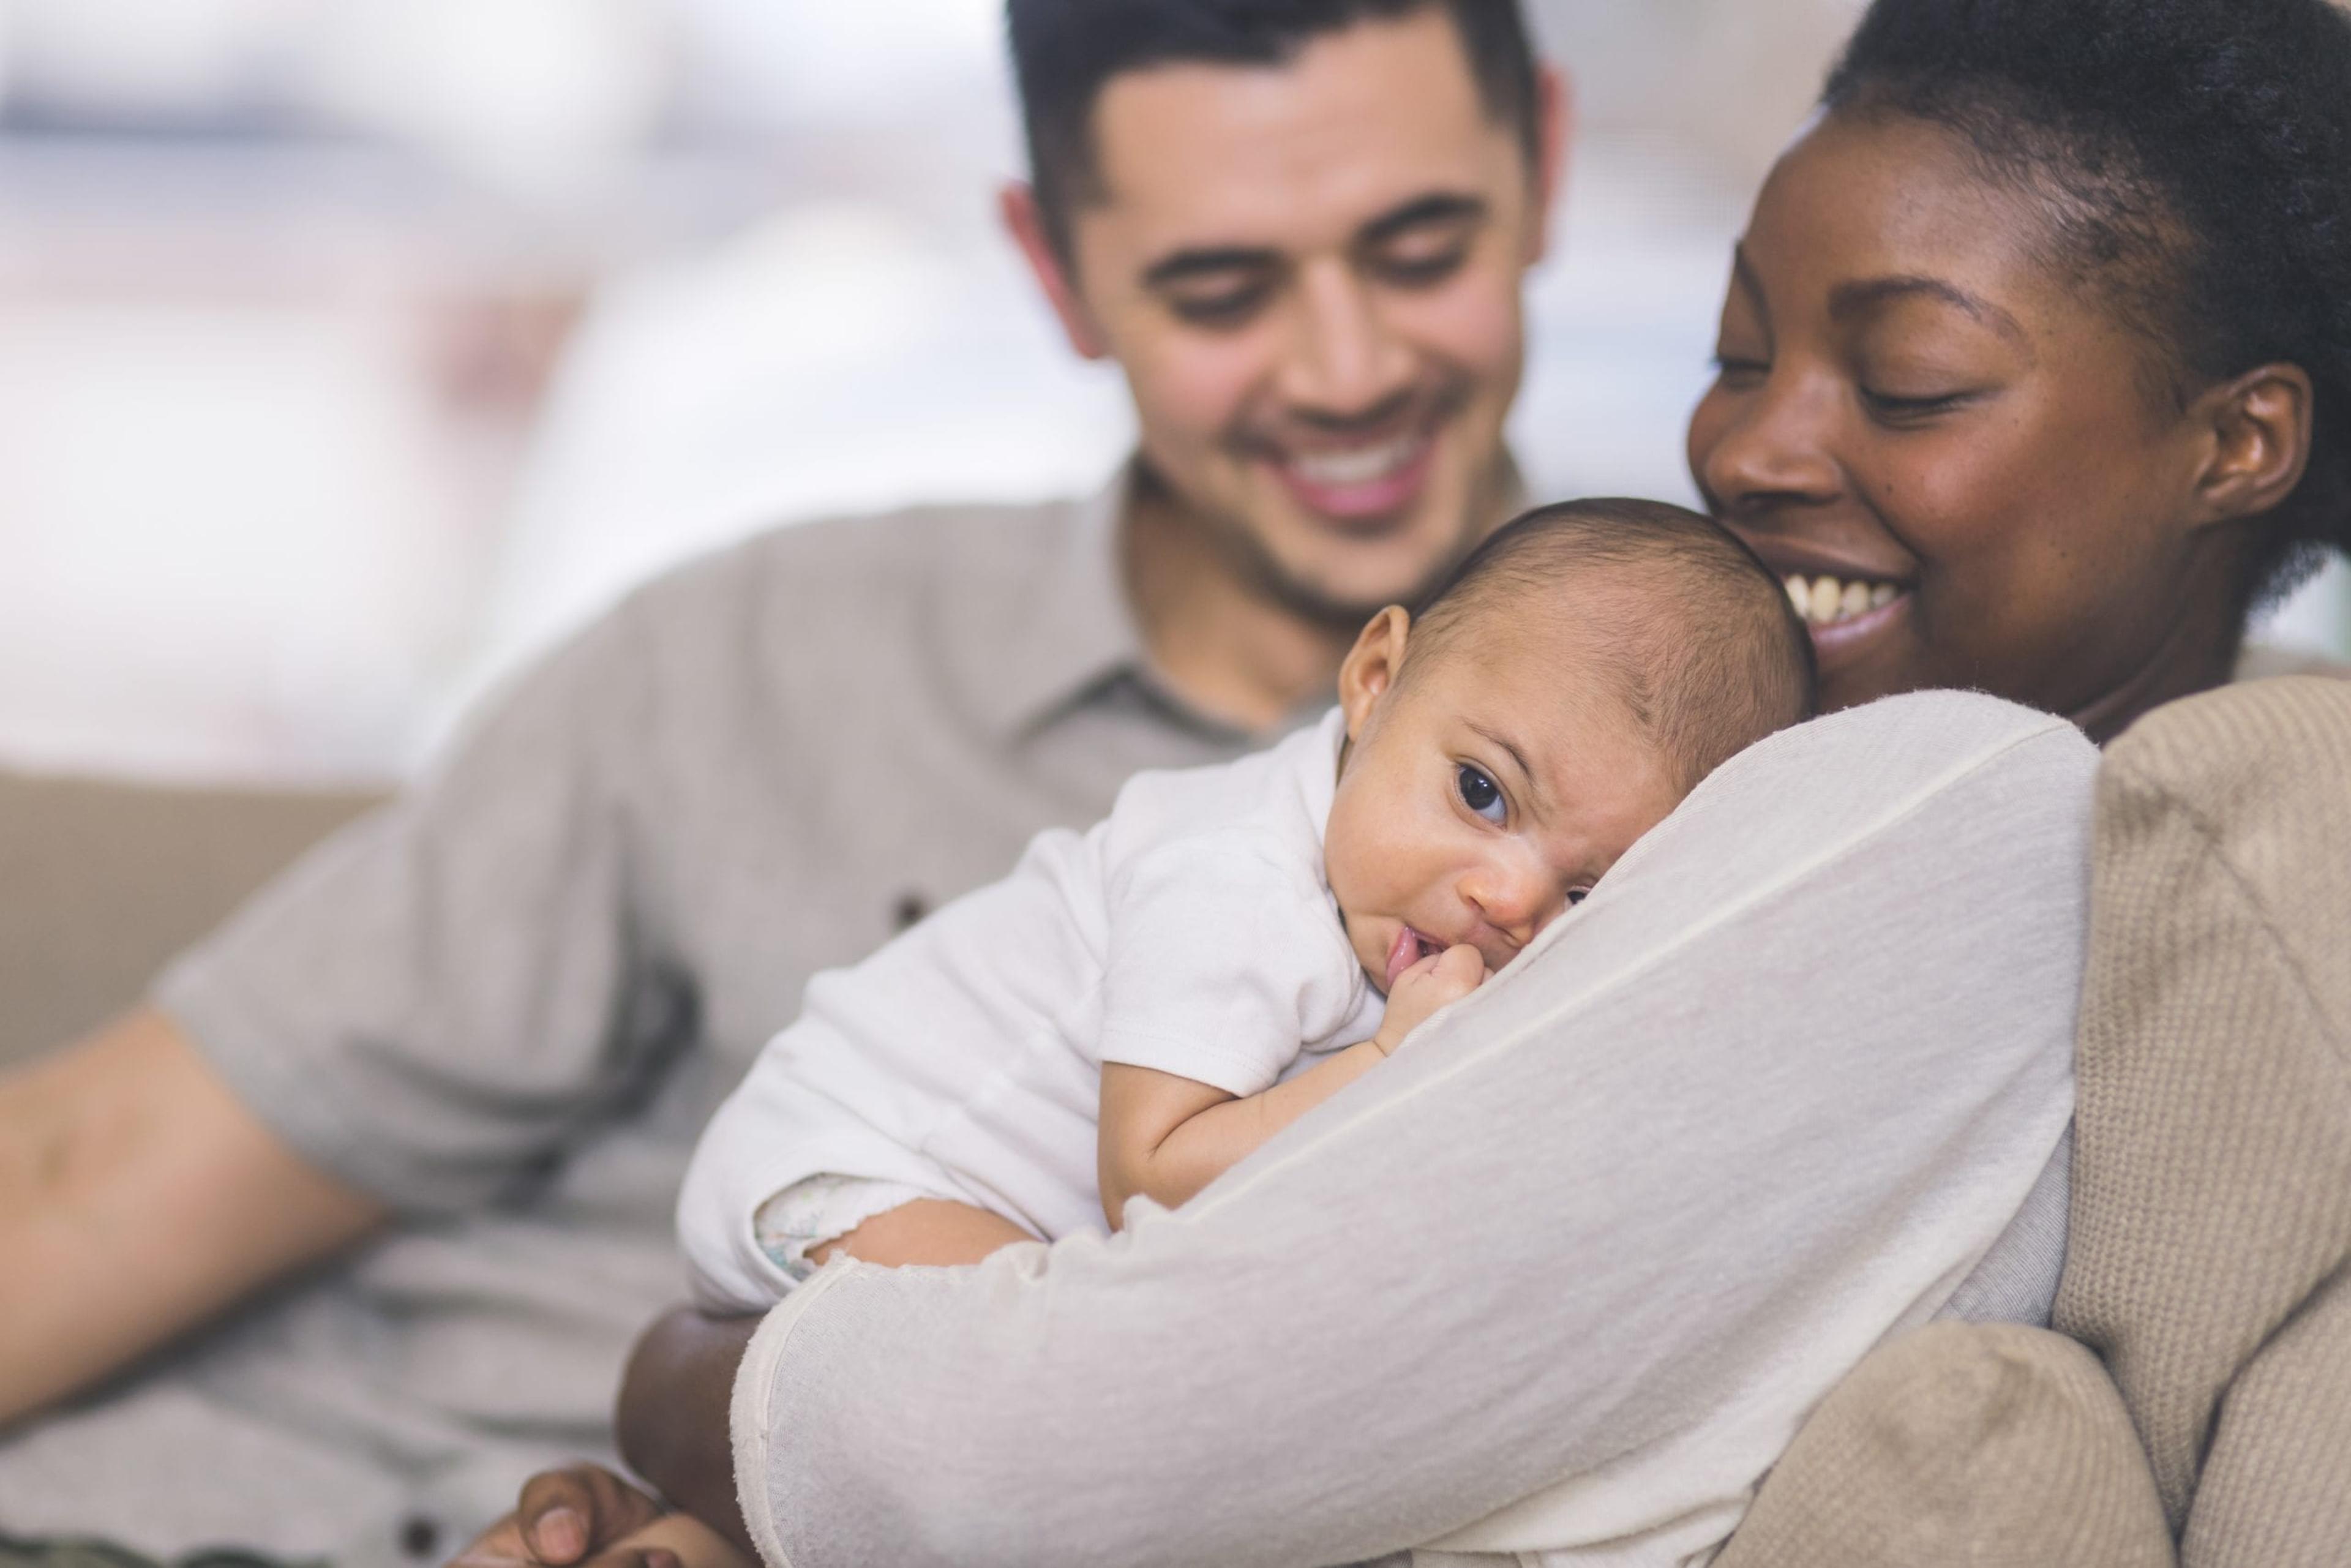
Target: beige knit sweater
2210,1264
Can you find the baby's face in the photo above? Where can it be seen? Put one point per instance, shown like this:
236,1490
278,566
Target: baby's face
1482,796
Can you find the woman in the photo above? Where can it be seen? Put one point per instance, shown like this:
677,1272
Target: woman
2045,326
2035,377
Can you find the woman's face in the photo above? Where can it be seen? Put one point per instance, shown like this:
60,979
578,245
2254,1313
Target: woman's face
1917,404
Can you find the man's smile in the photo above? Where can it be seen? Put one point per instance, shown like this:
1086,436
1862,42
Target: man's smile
1365,481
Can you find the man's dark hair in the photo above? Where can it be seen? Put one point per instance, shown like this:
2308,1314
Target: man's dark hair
1065,51
2195,160
1688,628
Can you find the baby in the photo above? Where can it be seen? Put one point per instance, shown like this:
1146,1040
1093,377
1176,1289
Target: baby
1137,1008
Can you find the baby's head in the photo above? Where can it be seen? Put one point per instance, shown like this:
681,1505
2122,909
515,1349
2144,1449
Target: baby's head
1579,674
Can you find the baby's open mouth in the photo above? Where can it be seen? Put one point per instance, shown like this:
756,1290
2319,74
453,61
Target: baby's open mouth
1408,948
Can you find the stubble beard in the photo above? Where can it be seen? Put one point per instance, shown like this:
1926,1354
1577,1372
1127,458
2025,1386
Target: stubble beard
1241,548
1261,572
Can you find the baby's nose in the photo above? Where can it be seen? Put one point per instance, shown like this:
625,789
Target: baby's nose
1516,903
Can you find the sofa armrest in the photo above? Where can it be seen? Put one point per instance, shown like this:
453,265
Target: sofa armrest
102,882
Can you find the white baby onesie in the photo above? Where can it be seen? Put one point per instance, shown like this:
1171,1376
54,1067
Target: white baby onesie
1192,931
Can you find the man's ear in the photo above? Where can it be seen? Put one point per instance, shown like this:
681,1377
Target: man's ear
1371,667
1017,203
2258,434
1554,139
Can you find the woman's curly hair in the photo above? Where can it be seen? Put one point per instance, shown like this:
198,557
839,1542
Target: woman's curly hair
2196,159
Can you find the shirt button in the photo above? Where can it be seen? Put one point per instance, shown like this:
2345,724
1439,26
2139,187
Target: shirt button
419,1536
908,912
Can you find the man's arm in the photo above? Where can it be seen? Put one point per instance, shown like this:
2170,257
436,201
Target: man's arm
137,1198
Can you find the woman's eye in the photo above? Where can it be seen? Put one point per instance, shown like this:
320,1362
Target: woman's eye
1732,370
1892,409
1479,792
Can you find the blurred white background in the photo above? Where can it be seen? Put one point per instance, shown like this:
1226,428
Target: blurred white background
350,348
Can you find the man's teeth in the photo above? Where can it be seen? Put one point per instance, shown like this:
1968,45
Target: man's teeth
1825,601
1358,465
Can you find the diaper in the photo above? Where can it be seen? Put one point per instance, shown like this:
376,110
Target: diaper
821,1209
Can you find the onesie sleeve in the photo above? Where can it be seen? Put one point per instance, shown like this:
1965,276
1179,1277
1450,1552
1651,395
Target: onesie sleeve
1224,961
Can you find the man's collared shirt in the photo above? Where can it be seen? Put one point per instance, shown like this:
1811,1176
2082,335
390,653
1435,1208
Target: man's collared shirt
506,1005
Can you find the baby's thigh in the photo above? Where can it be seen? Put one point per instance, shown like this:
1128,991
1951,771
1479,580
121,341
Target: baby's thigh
877,1222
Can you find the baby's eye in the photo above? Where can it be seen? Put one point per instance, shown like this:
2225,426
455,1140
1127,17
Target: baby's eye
1479,793
1578,895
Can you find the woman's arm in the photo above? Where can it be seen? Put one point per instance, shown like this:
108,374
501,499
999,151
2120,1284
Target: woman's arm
671,1420
1568,1271
671,1424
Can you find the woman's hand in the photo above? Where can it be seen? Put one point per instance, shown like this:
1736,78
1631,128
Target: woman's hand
584,1516
564,1518
1436,981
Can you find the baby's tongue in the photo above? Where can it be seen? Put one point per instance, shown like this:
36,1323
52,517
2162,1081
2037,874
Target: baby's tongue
1402,954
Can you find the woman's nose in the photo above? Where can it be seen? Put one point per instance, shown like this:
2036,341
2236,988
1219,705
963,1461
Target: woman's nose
1766,446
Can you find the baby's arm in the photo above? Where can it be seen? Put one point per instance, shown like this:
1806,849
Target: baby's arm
1167,1137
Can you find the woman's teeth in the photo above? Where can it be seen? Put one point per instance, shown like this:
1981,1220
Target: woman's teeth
1360,466
1825,601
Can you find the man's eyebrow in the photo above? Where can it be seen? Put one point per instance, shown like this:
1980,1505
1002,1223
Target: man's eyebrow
1436,207
1853,298
1195,261
1178,265
1535,785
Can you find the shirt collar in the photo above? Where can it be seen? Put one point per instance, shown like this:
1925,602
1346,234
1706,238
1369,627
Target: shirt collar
1064,634
1072,634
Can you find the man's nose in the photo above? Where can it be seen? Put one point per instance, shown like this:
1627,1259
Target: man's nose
1343,363
1775,449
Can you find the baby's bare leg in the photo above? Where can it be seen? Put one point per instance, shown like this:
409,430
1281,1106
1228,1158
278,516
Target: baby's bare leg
927,1230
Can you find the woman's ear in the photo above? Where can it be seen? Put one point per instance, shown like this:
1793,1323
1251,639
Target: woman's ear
1372,665
2260,427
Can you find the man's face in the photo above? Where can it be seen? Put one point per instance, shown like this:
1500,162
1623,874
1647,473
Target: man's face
1312,277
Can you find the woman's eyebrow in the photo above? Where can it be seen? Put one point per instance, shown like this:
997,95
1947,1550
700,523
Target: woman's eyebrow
1742,273
1849,299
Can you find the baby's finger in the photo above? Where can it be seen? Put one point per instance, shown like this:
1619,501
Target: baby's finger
1460,969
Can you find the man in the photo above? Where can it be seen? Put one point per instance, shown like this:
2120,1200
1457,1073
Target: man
463,1051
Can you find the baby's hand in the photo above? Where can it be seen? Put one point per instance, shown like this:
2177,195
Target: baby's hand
1438,981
